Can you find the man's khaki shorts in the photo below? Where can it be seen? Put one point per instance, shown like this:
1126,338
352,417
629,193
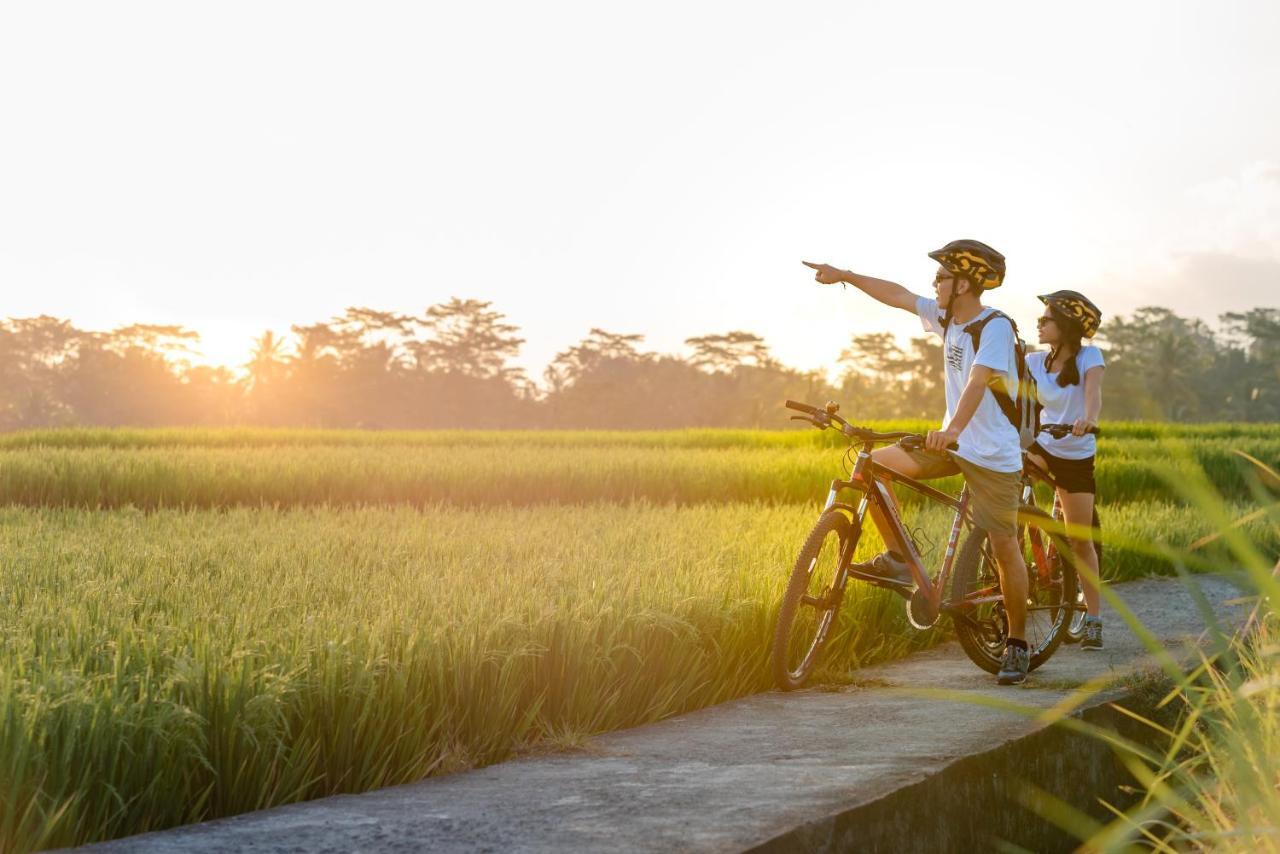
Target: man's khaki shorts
994,494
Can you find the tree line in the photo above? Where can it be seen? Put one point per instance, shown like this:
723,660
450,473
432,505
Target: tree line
451,367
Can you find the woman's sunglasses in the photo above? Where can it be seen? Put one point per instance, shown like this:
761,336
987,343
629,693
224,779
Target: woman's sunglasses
1041,321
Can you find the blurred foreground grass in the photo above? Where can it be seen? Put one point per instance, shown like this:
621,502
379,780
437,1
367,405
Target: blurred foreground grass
1210,780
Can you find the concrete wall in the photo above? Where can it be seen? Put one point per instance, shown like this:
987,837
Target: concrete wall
974,803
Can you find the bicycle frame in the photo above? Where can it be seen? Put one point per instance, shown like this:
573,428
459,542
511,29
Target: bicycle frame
1030,474
875,483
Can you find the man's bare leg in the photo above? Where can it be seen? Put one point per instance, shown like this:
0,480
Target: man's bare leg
894,458
1013,581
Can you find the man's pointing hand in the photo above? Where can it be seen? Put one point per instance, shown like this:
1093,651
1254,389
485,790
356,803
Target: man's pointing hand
826,275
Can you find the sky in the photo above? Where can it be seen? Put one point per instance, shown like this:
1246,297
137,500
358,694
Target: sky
655,168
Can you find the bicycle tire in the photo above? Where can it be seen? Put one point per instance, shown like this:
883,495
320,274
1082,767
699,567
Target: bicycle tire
791,614
983,637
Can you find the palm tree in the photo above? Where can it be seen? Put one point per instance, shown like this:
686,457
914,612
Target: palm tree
266,361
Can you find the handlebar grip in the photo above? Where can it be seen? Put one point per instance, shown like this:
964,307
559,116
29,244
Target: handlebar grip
802,407
916,443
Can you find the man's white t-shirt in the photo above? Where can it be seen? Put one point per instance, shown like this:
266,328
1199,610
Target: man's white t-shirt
989,439
1064,405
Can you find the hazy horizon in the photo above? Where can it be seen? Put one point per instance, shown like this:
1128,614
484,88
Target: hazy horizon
663,170
188,353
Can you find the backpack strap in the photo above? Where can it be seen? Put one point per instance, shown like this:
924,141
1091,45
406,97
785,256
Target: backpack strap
975,329
1007,404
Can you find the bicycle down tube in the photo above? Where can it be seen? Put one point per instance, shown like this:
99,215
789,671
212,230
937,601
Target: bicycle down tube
878,489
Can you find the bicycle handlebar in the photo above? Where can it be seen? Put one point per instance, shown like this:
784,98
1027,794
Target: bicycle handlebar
822,419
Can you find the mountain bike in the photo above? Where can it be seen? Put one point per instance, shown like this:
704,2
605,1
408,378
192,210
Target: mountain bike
1032,473
975,604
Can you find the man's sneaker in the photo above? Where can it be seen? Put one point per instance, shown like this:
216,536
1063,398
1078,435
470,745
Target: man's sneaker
890,566
1017,661
1092,634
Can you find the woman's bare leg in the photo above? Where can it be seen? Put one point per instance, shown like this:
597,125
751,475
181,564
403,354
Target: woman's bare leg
1077,509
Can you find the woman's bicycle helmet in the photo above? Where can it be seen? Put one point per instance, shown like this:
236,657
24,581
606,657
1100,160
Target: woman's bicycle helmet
1077,308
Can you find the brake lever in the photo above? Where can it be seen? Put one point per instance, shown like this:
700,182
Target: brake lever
812,421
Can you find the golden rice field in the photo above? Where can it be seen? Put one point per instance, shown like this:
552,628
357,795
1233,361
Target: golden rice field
199,623
170,468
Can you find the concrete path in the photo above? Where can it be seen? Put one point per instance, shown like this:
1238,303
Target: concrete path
736,776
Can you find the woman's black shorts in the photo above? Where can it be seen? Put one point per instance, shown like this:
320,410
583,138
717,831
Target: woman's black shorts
1071,475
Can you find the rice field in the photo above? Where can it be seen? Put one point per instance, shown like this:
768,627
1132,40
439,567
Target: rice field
295,468
198,623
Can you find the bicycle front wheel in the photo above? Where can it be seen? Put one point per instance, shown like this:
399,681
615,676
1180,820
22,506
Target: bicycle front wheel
812,601
981,619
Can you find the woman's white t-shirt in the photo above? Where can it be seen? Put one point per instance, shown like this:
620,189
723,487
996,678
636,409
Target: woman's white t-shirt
1064,405
989,439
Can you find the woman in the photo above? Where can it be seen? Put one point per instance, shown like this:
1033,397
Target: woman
1069,385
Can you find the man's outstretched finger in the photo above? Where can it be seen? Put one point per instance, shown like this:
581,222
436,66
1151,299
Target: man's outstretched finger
811,265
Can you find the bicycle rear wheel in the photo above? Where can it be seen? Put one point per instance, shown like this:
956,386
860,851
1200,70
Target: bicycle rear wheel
977,601
812,600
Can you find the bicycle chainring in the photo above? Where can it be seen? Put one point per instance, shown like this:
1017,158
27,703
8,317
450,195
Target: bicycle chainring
920,611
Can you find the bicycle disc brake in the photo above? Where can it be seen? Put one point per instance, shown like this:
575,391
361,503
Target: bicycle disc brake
994,628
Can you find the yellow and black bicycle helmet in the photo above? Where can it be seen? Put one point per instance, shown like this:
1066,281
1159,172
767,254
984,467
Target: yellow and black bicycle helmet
972,260
1077,308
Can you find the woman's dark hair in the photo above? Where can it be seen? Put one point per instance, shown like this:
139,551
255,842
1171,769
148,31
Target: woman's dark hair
1072,332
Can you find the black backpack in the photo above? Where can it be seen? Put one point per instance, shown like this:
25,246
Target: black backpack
1023,409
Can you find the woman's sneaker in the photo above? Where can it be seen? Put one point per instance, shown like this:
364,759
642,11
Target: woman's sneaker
1013,670
1092,634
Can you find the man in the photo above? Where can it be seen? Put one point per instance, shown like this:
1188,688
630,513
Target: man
990,454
